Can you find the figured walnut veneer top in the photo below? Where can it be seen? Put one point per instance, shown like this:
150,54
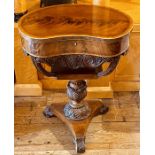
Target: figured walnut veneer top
75,20
76,29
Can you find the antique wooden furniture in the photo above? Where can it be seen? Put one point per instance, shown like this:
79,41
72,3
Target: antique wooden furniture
75,41
20,8
30,82
44,3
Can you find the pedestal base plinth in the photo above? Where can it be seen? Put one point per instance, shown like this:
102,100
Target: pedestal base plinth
78,128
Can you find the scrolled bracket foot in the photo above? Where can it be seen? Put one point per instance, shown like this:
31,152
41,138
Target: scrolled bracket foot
79,144
48,112
104,109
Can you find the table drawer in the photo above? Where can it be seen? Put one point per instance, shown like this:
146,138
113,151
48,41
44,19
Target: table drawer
75,45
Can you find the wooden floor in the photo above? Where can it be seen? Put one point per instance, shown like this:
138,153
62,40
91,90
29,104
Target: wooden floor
115,133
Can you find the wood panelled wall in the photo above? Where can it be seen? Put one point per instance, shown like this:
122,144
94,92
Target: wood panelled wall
124,78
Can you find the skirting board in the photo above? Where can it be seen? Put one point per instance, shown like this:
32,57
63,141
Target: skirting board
36,90
125,86
28,90
99,92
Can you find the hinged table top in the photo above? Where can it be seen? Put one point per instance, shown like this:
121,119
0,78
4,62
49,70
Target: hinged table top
70,20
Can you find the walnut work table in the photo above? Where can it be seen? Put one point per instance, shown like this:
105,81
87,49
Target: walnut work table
75,41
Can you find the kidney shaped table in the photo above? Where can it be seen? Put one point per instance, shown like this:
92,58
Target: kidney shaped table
75,41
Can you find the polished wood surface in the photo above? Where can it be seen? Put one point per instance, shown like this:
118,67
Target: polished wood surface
66,29
45,3
75,20
75,45
115,133
130,7
78,128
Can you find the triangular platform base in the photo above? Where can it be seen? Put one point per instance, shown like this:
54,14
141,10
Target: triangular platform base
77,128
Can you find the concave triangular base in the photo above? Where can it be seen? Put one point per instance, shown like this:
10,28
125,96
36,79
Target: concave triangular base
77,128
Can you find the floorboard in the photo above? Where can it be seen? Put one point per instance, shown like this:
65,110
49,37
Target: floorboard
116,133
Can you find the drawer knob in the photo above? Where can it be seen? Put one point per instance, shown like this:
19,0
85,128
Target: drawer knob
75,43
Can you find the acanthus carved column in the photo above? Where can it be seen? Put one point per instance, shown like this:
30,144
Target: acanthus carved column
77,109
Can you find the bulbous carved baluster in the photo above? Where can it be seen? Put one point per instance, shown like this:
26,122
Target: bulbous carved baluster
76,109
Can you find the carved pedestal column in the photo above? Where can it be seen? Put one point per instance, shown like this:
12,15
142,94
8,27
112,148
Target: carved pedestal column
76,109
